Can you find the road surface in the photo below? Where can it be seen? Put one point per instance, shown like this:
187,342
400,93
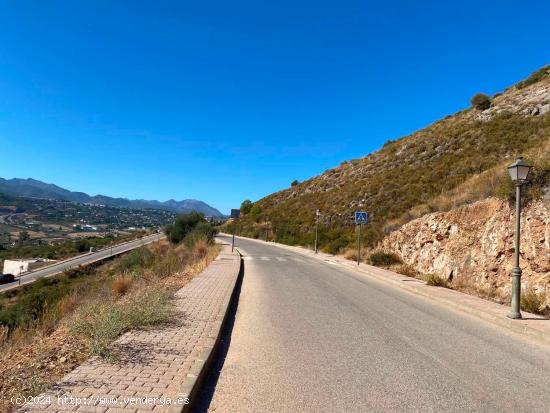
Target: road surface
310,336
82,260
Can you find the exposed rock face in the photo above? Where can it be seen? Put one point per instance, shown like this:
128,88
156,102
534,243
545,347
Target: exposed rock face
534,101
475,244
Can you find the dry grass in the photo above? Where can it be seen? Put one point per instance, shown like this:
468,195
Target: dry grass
200,249
407,270
91,315
67,305
436,280
381,258
102,322
350,254
533,302
121,284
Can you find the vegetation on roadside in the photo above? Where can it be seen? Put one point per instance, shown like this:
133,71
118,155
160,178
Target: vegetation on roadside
533,302
436,280
48,327
381,258
189,228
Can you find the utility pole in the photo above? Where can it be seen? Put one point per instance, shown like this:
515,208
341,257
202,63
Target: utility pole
317,213
235,214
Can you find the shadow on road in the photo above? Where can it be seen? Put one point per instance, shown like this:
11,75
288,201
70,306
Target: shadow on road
204,398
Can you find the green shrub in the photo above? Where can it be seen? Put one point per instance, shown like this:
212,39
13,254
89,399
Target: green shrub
246,206
380,258
535,77
295,183
138,258
203,231
481,101
184,224
256,210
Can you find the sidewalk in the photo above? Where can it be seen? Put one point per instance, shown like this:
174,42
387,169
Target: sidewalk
532,326
154,367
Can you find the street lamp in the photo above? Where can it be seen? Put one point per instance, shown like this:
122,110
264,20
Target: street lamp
519,172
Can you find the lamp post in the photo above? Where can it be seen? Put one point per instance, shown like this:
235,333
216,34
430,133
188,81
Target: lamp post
519,172
317,214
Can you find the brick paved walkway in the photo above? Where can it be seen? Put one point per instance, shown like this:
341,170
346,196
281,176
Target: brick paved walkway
150,363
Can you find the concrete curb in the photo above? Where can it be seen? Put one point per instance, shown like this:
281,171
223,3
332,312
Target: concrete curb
493,313
193,383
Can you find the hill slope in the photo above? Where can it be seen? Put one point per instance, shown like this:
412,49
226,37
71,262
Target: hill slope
31,188
407,177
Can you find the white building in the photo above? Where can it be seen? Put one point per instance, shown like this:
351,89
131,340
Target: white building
17,267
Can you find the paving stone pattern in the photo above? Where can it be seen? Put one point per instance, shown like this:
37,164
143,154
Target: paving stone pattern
151,365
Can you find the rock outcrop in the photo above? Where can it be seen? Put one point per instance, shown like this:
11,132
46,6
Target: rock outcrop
474,245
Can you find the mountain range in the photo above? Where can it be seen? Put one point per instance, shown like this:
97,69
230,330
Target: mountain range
32,188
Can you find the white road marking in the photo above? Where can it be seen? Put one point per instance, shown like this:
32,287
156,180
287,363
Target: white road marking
281,259
264,258
248,258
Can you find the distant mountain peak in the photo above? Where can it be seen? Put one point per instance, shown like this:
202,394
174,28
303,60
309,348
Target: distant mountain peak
33,188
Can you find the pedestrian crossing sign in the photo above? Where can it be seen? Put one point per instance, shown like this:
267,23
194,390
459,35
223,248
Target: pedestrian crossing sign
360,217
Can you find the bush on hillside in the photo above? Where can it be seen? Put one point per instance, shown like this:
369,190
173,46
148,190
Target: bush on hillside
203,232
481,101
136,259
535,77
246,206
295,182
184,224
256,210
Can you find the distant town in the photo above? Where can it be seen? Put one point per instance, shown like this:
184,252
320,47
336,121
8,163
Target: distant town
25,221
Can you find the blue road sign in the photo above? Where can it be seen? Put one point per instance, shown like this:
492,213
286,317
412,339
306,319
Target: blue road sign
360,217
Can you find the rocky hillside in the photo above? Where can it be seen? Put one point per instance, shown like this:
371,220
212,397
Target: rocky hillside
474,246
416,174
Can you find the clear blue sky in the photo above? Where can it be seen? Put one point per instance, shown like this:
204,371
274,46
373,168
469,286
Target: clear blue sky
222,101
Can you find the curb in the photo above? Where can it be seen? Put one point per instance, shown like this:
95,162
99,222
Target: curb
193,383
497,317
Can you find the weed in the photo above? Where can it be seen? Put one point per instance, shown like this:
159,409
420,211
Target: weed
407,270
381,258
102,322
121,284
533,301
436,281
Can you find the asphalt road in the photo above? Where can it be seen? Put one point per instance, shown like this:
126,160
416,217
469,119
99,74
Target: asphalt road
82,260
309,336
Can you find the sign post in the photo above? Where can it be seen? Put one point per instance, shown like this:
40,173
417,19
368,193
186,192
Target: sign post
235,214
360,219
